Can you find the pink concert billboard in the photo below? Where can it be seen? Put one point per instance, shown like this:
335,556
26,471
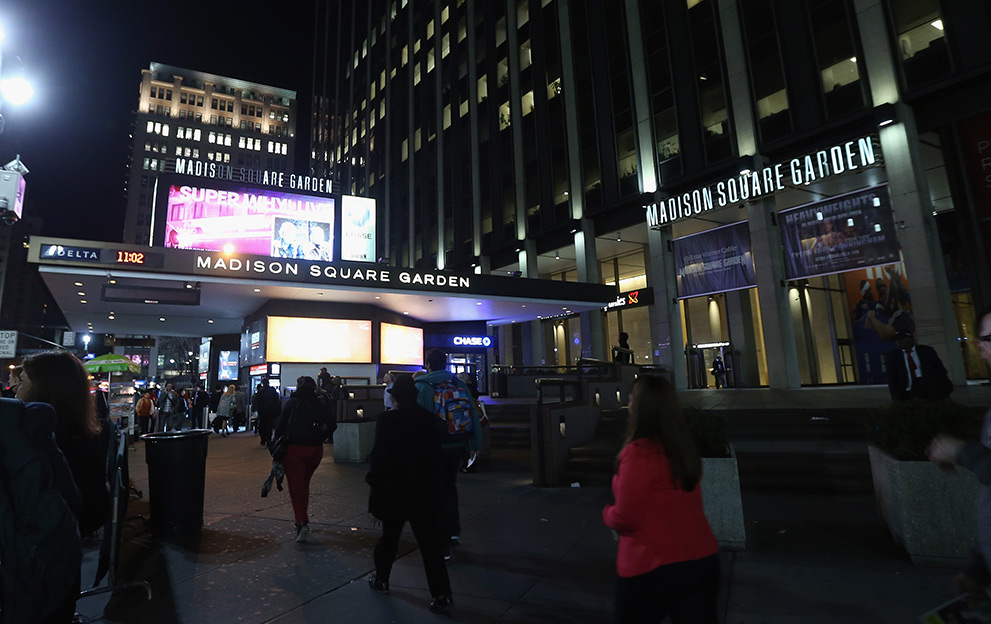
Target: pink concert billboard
250,221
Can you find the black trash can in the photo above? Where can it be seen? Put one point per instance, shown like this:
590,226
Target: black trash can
176,479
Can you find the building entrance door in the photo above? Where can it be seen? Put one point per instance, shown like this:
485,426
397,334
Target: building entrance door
469,366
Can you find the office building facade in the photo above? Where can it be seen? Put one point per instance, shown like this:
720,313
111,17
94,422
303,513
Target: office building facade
786,184
208,123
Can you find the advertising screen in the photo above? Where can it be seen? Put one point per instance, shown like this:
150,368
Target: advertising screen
250,221
227,368
293,339
401,345
203,362
357,228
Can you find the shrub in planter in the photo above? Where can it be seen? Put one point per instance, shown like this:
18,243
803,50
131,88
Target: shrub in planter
905,428
708,429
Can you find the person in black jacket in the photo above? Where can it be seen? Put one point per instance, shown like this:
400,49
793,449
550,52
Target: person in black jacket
306,422
266,402
406,474
915,371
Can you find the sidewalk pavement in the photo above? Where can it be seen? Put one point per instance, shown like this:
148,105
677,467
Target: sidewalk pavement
529,555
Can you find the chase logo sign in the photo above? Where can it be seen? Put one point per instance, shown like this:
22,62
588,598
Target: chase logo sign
472,341
60,252
358,229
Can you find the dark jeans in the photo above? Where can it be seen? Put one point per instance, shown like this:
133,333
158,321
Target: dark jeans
265,424
450,519
688,591
144,424
428,538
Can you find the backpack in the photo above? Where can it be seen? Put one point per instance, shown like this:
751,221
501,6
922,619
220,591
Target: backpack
144,407
453,404
40,550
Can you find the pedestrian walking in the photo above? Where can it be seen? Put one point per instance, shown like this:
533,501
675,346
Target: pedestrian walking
667,563
441,392
225,407
719,372
305,422
144,409
200,402
171,409
405,475
324,379
387,399
239,410
267,403
974,455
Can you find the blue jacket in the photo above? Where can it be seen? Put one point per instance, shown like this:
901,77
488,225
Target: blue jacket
425,398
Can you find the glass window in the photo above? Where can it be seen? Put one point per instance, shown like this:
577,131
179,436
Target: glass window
921,44
837,56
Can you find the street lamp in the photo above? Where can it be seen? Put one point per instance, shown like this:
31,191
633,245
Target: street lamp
16,90
86,340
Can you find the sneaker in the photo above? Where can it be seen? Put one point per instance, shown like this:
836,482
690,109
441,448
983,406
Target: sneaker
302,532
447,553
440,603
380,586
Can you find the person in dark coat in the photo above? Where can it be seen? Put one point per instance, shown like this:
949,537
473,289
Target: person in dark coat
306,422
915,371
405,475
267,403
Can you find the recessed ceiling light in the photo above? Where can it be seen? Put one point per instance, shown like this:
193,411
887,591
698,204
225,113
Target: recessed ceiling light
405,312
189,285
79,283
377,297
82,301
113,281
478,303
209,321
258,290
524,305
161,318
111,317
81,294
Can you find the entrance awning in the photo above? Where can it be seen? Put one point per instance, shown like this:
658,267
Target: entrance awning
178,292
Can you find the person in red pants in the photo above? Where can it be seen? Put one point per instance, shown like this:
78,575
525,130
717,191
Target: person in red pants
306,422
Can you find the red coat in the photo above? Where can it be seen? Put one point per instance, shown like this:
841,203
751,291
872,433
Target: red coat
658,522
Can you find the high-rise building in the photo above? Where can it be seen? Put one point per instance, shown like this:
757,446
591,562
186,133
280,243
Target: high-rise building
205,121
785,183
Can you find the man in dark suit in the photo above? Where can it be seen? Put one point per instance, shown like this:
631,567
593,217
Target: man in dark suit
915,371
405,472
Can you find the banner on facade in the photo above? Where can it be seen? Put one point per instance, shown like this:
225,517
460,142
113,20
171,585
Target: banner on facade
839,234
714,261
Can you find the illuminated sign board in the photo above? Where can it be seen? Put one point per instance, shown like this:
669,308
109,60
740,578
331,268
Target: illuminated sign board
472,341
258,369
227,369
357,228
278,179
250,221
633,299
203,361
318,340
401,345
12,189
102,256
753,185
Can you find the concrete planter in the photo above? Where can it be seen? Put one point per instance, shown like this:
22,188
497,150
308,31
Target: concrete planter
929,512
353,441
722,500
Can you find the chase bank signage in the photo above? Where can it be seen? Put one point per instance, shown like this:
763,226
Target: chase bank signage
472,341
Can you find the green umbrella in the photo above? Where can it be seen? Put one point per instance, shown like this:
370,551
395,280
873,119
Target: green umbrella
111,363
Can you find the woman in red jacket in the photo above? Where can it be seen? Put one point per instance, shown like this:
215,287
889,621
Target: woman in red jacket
667,561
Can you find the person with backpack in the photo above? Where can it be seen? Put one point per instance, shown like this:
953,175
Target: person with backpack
144,409
40,549
267,403
442,393
304,424
404,474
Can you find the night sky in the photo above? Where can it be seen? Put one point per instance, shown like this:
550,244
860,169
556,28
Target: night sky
84,60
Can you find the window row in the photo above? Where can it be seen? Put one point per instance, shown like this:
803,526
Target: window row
154,164
223,105
193,134
157,127
185,151
275,147
191,98
219,138
161,93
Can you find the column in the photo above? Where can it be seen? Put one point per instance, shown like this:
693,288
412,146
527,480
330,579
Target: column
592,321
909,189
665,320
740,316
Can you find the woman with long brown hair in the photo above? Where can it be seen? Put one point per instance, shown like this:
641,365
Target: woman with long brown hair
59,379
667,561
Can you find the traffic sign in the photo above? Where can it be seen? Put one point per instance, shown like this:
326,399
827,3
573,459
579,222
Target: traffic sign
8,344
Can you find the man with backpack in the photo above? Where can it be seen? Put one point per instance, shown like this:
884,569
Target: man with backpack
441,392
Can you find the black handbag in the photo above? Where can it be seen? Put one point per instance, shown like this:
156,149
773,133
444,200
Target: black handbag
278,446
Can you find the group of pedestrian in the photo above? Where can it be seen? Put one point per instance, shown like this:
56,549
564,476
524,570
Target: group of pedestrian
169,409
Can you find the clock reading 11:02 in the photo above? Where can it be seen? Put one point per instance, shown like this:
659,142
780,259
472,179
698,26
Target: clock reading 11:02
130,257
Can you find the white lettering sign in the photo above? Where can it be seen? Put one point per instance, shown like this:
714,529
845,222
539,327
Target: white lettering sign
754,185
278,179
8,344
472,341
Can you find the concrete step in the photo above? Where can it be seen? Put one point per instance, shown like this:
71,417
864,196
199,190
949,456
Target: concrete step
510,435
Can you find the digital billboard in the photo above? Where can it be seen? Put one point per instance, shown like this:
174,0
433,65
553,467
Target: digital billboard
227,369
203,361
357,228
401,345
295,339
250,221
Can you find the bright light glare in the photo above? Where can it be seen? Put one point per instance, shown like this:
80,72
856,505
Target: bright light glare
17,91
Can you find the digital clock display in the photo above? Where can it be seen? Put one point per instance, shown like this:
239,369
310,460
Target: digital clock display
131,257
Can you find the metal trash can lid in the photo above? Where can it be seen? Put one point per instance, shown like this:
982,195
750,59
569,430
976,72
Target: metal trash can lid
175,435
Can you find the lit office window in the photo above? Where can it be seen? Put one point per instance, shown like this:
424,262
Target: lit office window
196,134
165,129
212,138
150,127
447,117
227,140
